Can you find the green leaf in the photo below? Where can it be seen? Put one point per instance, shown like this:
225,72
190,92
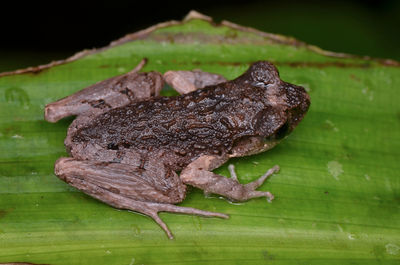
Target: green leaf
337,195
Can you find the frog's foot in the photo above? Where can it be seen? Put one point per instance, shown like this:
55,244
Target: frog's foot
256,183
198,174
127,187
155,208
187,81
114,92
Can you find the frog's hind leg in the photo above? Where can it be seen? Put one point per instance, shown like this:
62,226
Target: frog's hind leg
128,187
187,81
198,174
111,93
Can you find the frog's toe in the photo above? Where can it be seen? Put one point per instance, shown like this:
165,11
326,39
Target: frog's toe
250,188
258,182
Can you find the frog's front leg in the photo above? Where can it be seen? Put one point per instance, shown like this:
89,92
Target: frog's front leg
198,174
128,187
187,81
111,93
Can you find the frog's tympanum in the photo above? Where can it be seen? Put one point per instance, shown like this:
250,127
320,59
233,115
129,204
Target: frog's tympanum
127,142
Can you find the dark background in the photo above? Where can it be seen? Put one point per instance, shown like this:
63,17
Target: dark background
35,32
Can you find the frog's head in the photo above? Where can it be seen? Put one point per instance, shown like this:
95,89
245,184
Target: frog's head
286,104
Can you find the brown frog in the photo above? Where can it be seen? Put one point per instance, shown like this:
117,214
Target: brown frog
127,142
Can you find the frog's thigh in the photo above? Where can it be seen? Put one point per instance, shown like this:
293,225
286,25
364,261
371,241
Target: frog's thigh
128,187
198,174
187,81
111,93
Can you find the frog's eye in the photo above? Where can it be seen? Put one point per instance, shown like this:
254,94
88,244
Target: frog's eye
264,73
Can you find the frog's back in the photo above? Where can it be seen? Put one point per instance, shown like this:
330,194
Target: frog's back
206,121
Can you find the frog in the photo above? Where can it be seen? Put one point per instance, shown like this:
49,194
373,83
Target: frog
127,143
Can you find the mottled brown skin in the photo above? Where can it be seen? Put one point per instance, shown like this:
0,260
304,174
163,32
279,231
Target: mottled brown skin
127,154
